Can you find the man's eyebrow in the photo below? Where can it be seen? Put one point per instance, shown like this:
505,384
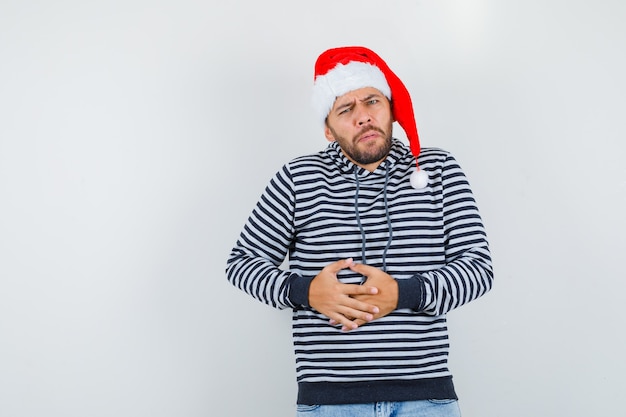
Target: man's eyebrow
371,96
346,104
351,102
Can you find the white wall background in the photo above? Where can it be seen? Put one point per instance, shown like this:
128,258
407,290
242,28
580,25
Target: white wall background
136,136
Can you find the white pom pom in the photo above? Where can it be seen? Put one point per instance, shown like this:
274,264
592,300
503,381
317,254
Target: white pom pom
419,179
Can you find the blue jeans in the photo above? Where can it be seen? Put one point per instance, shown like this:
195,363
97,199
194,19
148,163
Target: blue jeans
426,408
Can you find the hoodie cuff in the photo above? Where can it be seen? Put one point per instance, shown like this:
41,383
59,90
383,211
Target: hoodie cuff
411,293
299,289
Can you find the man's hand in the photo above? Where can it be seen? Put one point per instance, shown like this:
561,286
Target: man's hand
386,299
338,301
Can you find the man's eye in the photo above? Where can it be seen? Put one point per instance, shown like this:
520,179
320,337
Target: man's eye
346,110
373,101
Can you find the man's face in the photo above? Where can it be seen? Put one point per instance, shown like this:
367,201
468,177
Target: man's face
361,122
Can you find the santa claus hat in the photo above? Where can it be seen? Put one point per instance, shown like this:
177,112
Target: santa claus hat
340,70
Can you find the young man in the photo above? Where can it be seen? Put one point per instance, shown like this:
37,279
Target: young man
382,240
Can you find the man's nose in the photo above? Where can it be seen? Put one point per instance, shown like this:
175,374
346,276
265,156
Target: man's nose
362,116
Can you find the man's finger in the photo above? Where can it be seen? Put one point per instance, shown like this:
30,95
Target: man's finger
355,323
362,269
339,265
348,322
354,289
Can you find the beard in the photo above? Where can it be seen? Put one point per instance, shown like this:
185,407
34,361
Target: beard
367,153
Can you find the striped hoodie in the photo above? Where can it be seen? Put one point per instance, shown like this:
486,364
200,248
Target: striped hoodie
320,208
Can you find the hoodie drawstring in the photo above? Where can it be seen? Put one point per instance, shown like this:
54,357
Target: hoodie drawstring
389,228
358,216
358,220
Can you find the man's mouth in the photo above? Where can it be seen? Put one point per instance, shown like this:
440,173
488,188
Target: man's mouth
368,135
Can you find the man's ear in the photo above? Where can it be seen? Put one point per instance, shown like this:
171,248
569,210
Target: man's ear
328,133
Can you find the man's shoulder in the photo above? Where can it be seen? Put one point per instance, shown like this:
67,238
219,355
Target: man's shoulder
319,159
311,157
434,152
434,155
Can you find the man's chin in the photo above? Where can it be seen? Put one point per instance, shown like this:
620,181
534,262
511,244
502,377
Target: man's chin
369,158
372,153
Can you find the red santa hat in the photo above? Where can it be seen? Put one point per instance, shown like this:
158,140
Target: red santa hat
340,70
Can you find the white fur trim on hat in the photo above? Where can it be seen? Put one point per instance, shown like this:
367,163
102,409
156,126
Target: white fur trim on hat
343,79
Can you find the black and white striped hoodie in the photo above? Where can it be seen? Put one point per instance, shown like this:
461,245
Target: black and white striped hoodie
321,208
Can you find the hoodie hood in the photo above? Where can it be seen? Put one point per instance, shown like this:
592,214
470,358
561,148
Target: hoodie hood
398,153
